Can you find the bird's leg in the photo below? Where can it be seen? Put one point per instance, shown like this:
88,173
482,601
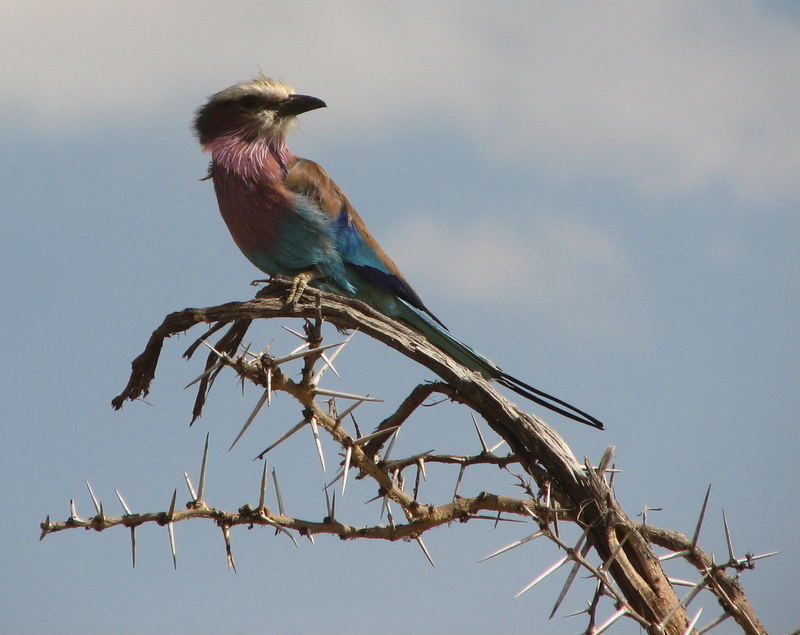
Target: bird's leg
299,284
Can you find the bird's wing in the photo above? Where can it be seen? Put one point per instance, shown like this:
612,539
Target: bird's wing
357,247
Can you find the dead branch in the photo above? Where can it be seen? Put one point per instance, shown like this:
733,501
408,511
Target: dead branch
629,573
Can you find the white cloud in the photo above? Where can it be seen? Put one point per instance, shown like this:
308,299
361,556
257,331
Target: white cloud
666,96
557,269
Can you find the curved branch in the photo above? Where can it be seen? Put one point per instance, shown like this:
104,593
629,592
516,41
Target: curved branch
583,491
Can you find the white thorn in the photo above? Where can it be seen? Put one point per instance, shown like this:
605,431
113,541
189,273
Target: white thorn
570,579
610,621
262,400
122,502
344,395
681,582
207,372
306,353
700,520
293,332
347,457
262,494
298,348
542,576
348,410
425,550
278,491
318,443
379,433
674,554
94,498
283,438
189,485
278,527
747,559
226,533
714,623
201,485
133,547
693,622
728,540
391,443
171,531
329,361
459,479
484,448
222,356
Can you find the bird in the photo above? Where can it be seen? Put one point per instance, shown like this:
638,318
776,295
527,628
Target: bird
289,218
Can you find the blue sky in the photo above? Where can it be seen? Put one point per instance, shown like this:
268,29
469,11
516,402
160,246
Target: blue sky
602,198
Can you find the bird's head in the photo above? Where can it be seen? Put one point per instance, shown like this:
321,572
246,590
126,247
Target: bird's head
260,110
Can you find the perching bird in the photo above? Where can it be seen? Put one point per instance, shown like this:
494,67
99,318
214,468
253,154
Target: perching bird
289,218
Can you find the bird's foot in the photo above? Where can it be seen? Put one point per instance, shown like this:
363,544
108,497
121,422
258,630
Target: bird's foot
299,284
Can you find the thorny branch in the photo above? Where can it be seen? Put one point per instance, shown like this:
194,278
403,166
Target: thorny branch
629,574
462,509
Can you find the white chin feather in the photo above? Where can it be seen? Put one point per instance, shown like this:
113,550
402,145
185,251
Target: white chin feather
276,128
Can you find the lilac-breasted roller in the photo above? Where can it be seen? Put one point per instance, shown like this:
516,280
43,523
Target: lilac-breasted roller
289,218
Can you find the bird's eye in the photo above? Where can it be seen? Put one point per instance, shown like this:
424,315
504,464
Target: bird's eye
250,102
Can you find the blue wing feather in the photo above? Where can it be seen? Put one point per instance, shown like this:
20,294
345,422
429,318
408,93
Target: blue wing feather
360,255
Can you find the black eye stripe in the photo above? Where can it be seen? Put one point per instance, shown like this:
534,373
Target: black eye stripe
251,102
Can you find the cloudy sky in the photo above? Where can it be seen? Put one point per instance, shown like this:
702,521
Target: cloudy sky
602,197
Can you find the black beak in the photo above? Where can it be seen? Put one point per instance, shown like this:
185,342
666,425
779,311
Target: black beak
297,104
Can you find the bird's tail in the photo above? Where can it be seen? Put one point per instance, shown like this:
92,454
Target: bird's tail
548,401
441,338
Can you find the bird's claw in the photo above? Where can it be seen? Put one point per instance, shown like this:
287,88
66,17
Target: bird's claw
299,284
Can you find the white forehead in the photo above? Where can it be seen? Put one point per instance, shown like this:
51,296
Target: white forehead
270,89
